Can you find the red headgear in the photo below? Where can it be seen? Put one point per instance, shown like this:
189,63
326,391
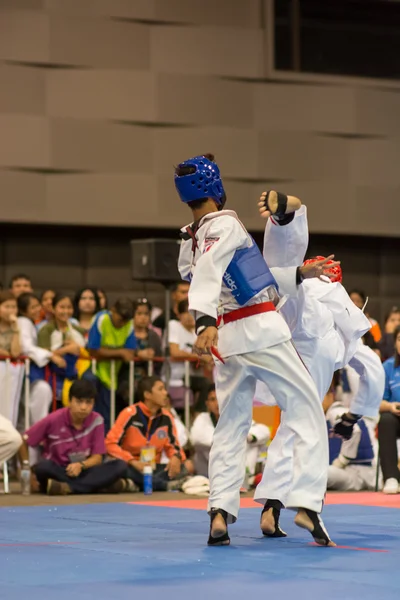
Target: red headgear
335,273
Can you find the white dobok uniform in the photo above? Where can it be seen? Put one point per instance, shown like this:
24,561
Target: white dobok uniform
326,330
254,348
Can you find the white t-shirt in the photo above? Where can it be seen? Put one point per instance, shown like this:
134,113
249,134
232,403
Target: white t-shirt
185,339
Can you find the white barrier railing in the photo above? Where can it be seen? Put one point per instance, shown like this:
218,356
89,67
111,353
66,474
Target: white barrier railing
9,405
20,368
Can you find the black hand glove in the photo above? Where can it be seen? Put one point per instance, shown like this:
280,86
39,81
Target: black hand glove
344,427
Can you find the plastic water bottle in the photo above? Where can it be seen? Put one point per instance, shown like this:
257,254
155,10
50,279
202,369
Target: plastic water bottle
147,480
26,478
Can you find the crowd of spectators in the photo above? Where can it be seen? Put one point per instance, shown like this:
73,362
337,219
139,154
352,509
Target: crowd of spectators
83,351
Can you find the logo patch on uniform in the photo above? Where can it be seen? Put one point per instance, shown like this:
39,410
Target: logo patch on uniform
209,242
161,434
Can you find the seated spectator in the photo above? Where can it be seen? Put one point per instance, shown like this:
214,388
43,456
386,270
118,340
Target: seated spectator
148,341
10,440
111,337
202,432
181,337
86,306
389,424
73,442
359,298
179,292
352,463
40,391
102,299
46,314
19,284
64,339
10,344
148,347
386,344
142,433
182,435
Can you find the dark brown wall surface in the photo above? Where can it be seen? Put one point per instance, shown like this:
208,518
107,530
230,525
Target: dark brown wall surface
100,98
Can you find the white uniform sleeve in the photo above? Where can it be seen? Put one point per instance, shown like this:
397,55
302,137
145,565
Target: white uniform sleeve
205,288
286,280
261,432
367,400
286,245
185,259
202,431
29,346
350,321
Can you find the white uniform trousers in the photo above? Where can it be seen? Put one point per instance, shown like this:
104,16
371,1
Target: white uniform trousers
353,478
282,370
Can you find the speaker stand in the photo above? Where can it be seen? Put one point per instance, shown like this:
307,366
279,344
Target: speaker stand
167,310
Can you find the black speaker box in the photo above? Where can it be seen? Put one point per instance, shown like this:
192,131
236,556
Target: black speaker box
155,260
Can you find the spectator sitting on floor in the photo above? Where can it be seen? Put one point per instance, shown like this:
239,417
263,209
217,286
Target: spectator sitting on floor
19,284
143,432
86,306
182,435
352,463
46,314
389,423
179,292
202,432
10,345
181,338
111,337
73,443
386,344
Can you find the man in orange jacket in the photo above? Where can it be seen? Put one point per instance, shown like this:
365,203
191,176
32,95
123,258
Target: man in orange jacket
143,432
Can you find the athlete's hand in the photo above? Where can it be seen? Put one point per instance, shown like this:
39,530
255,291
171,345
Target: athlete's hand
262,208
206,340
344,426
318,268
266,208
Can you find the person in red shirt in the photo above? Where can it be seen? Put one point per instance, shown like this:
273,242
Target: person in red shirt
143,432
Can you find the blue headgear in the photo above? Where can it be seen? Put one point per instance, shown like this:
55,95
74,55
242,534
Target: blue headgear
204,182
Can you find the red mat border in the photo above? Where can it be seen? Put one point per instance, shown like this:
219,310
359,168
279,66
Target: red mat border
357,498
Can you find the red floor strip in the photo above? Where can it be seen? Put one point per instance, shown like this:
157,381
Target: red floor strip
358,498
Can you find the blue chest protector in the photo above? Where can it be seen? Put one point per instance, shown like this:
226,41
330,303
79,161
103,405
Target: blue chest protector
365,452
247,274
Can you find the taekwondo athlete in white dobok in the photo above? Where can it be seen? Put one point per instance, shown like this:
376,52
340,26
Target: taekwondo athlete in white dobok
353,461
233,288
326,330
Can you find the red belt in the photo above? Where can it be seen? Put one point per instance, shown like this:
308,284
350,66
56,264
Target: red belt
246,311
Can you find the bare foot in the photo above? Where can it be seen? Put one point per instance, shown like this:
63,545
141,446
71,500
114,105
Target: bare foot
314,525
218,527
267,522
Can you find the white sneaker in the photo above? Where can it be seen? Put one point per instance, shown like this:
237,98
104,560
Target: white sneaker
391,486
